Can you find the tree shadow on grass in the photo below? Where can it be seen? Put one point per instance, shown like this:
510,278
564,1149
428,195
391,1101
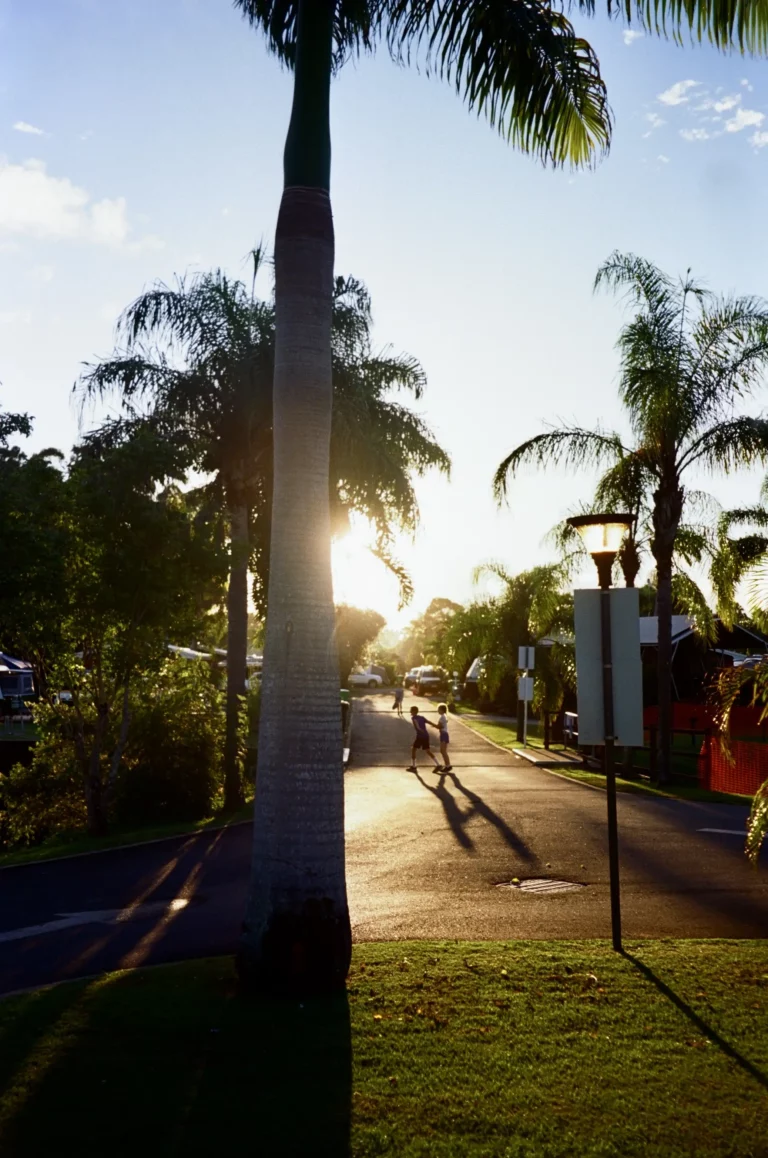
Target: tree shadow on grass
703,1026
282,1089
171,1061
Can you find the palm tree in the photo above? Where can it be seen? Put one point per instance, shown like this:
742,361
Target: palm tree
532,606
522,65
201,353
687,360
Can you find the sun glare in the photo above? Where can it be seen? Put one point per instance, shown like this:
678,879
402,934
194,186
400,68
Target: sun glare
361,579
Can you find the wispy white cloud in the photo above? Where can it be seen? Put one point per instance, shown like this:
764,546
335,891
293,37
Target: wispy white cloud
36,204
744,119
695,134
630,36
25,127
723,105
654,121
747,85
759,140
664,160
677,94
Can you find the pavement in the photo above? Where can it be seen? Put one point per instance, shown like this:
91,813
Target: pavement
425,856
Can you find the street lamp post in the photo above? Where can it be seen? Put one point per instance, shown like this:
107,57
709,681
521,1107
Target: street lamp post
602,536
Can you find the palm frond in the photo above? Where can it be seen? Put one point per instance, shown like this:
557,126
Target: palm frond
757,823
729,445
520,64
572,447
383,551
690,599
738,24
644,282
353,31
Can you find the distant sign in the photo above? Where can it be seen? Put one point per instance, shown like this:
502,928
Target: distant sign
526,658
625,658
525,689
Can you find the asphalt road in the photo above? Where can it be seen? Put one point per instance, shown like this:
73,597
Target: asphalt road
425,856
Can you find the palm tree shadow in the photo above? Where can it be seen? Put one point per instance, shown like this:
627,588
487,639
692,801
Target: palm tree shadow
453,814
703,1027
482,809
296,1062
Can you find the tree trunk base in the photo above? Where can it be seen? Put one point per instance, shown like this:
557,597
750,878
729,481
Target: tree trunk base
298,954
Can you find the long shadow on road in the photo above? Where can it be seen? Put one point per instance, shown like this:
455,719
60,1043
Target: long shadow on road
458,818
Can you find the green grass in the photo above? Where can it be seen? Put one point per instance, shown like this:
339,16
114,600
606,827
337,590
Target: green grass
77,841
440,1050
640,788
505,735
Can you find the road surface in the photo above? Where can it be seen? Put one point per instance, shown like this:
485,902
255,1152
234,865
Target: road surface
426,855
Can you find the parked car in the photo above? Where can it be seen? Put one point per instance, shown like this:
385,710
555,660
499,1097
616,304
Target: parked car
365,679
411,677
430,679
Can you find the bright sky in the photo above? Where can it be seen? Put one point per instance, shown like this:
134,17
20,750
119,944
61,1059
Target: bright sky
139,140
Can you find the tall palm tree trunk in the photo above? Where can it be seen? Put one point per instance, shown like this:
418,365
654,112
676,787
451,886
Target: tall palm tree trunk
237,648
664,673
667,512
296,934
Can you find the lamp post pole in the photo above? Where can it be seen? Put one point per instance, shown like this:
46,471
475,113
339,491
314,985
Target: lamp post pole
604,565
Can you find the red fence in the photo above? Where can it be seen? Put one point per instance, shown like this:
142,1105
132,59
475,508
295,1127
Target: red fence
742,770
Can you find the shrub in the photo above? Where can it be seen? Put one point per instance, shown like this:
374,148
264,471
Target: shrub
170,770
40,800
171,765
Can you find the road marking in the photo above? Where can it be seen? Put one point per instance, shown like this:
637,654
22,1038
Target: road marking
724,831
96,917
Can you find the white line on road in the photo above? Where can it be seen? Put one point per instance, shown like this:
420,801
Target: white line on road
96,917
724,831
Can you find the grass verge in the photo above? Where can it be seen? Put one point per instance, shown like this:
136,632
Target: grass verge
640,788
446,1050
77,842
505,735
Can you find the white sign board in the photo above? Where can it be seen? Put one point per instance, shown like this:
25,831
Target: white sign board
526,658
525,688
625,658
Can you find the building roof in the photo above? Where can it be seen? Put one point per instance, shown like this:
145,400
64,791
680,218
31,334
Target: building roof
682,625
14,664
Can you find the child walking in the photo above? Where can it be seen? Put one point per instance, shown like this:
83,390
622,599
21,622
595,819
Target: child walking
398,704
422,740
445,739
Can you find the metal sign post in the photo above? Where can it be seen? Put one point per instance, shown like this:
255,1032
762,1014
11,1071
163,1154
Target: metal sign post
526,660
610,702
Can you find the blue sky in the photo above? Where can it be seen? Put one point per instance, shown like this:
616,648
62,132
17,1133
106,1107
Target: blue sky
139,140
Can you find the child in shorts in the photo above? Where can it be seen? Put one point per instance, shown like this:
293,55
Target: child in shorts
422,740
399,696
445,739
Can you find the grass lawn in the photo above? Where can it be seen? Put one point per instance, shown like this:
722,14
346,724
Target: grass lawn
443,1050
505,735
675,791
77,841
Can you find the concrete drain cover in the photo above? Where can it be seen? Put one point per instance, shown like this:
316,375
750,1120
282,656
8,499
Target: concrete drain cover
541,885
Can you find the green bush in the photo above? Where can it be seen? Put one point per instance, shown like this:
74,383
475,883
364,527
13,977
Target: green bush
43,799
171,767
